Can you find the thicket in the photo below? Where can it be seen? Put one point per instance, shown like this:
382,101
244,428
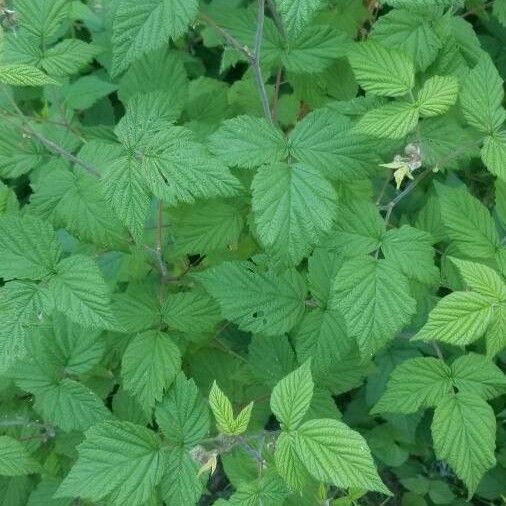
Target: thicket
252,252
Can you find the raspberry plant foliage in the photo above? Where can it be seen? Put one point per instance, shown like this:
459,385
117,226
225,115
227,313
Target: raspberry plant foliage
252,252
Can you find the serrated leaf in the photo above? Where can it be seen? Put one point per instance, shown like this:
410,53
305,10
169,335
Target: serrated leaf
180,484
393,120
382,71
142,27
183,416
463,431
437,95
20,74
191,311
481,97
119,461
337,455
67,57
412,32
289,464
80,292
28,248
150,363
411,250
293,206
459,318
493,154
15,459
296,14
291,397
374,297
467,222
261,302
416,383
475,374
248,142
42,18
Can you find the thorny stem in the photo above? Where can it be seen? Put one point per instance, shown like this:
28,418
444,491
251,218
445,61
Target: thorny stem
159,244
252,57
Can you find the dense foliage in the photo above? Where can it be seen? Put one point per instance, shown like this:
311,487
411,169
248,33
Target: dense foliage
252,252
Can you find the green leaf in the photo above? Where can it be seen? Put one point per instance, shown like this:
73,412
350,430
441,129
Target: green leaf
326,141
437,95
411,251
86,91
337,455
180,484
415,383
248,142
481,97
293,206
481,278
493,153
119,462
191,311
467,222
382,71
289,464
412,32
141,27
183,416
393,120
296,14
374,297
80,292
150,363
70,405
267,489
42,18
499,11
15,459
463,431
24,75
291,397
477,375
459,318
257,301
67,57
28,248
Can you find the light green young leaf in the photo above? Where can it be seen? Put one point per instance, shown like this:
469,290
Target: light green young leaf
293,206
118,462
475,374
150,363
288,463
248,142
224,413
19,74
337,455
80,292
140,27
296,14
493,153
374,297
481,97
291,397
262,302
416,383
183,416
382,71
392,121
437,95
28,248
459,318
15,459
463,431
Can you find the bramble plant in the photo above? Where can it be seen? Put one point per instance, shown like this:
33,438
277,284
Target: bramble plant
252,252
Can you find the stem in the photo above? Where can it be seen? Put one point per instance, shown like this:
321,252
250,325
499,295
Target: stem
255,63
275,100
159,244
438,351
277,19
